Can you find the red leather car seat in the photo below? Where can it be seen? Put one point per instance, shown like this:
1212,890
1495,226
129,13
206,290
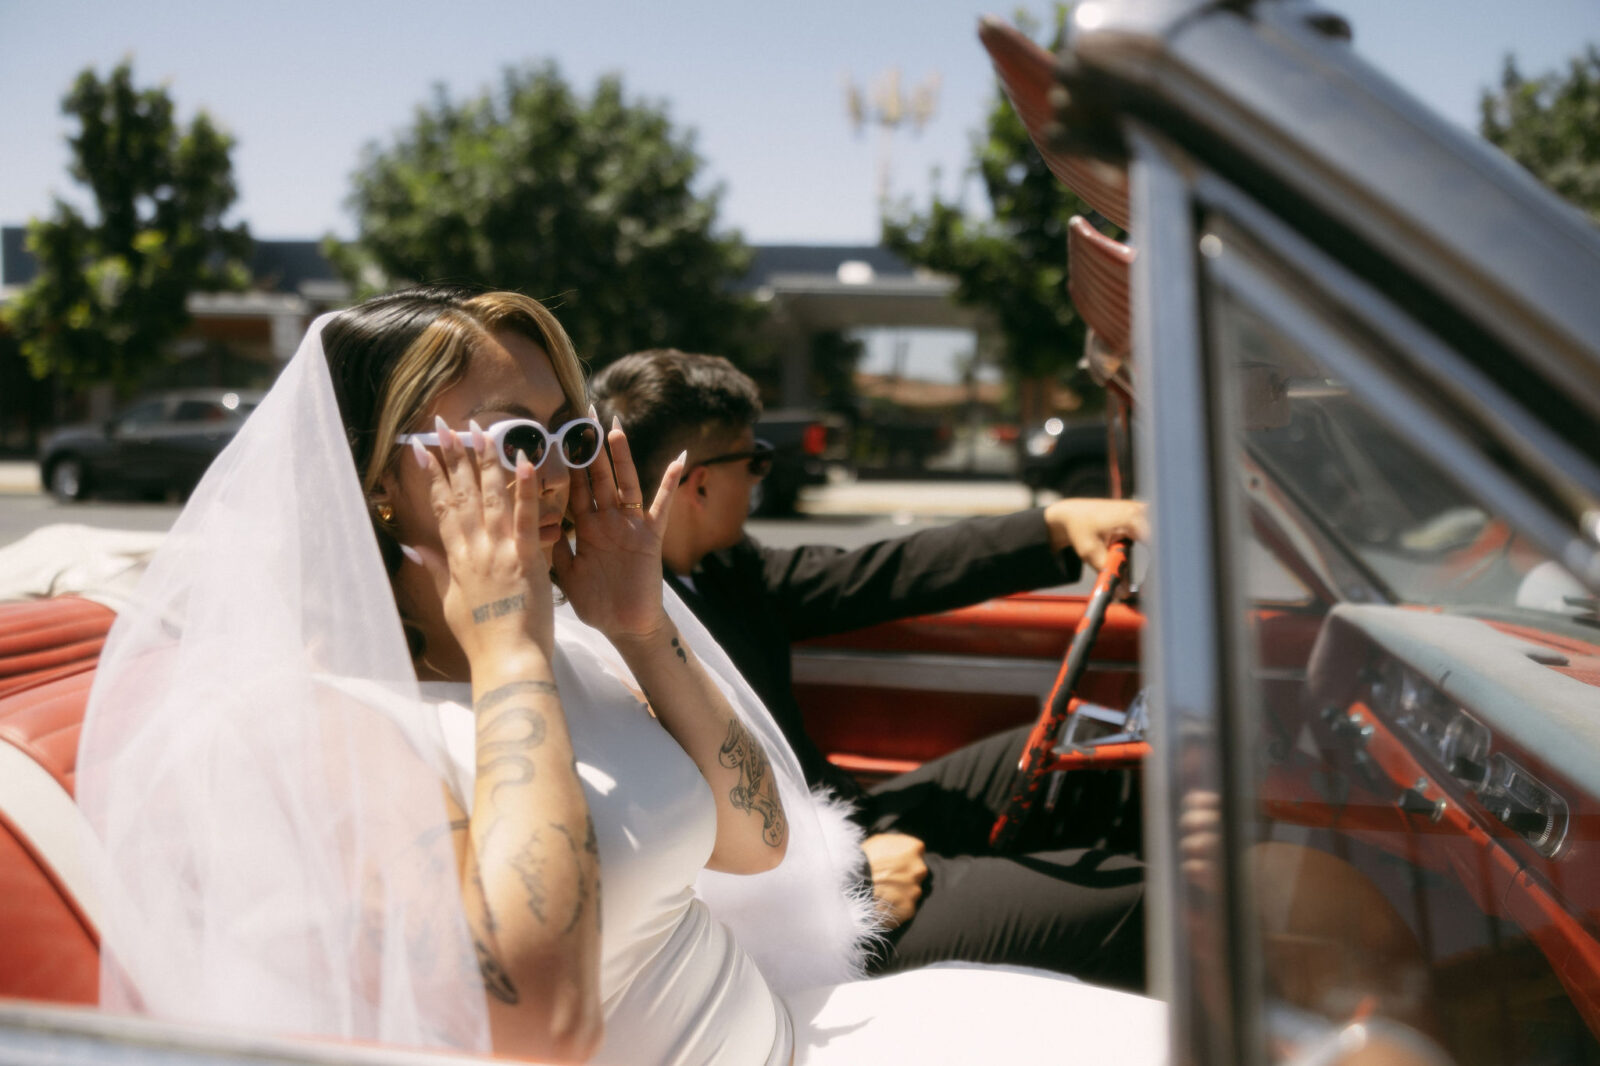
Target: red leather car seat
41,639
47,653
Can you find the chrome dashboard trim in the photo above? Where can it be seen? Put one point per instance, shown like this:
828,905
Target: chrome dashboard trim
924,672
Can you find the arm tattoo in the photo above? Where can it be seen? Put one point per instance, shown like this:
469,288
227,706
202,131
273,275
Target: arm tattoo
497,608
756,791
495,979
504,692
583,877
677,647
529,865
504,739
591,843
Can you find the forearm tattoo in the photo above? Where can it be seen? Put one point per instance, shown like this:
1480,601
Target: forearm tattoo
529,866
513,688
504,740
582,896
756,792
498,608
495,979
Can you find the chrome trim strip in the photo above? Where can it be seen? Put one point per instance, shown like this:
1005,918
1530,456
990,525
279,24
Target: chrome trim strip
936,673
911,670
1192,658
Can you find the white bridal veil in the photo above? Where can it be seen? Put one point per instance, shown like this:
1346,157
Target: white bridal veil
266,783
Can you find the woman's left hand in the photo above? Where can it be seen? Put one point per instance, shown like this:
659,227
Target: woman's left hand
614,579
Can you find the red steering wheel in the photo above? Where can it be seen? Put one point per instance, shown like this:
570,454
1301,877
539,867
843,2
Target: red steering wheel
1040,758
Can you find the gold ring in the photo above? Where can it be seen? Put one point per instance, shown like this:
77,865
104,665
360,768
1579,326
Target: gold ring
634,506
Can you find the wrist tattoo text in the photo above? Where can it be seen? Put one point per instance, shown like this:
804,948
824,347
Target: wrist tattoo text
497,608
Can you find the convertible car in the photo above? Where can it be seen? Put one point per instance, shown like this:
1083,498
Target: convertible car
1355,356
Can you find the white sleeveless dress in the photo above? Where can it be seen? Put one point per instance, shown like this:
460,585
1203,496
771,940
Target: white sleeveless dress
677,988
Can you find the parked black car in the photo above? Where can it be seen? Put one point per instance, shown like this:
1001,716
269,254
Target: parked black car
1066,457
160,444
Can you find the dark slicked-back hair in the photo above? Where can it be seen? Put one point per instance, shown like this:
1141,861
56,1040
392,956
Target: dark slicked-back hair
670,401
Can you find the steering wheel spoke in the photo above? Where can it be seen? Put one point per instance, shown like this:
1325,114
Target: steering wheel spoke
1041,756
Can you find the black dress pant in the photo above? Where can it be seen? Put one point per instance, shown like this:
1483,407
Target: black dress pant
1069,897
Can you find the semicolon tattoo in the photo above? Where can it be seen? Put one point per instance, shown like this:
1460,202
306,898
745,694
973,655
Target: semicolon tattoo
677,647
756,791
498,608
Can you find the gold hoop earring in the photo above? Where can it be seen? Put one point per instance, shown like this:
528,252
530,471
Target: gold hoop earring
385,513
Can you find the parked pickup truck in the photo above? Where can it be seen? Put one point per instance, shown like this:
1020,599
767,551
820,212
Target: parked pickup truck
807,443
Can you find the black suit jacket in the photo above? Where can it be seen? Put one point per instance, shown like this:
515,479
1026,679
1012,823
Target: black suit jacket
756,601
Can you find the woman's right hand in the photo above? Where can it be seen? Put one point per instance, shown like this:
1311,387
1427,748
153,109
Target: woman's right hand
494,578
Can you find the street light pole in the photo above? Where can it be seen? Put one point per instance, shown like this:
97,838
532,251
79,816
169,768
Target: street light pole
890,108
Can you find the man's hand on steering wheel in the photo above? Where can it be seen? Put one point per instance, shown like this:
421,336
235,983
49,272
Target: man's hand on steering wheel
1089,526
1100,531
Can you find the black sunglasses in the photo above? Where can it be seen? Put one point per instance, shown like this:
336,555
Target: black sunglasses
759,456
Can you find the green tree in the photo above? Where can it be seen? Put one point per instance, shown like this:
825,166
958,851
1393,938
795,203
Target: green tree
112,289
588,204
1551,125
1014,263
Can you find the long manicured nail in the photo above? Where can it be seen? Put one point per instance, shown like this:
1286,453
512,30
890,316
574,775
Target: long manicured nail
446,438
411,553
616,423
419,453
683,456
524,466
480,443
593,413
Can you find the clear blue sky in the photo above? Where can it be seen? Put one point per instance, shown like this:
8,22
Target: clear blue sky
304,85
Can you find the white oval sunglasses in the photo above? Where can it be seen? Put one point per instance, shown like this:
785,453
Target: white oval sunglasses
578,441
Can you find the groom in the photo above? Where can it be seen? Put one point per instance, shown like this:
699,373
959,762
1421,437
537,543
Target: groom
1075,909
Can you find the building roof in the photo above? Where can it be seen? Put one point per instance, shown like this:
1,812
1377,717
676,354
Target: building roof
299,267
769,261
17,267
277,266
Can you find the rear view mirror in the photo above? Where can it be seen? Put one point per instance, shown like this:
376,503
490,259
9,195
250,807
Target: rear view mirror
1264,397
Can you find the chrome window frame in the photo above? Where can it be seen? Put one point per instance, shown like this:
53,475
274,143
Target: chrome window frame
1204,239
1192,623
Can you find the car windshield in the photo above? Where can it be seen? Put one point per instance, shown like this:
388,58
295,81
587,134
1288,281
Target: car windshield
1421,741
1417,534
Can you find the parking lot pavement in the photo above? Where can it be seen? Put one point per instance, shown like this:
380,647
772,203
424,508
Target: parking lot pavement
922,499
19,477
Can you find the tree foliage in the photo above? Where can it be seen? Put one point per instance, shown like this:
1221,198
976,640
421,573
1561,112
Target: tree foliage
1014,263
1551,125
111,289
588,204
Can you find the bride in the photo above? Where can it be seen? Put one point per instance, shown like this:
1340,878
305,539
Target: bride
360,768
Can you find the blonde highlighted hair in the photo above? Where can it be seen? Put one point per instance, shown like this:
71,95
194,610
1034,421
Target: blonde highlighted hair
391,356
437,357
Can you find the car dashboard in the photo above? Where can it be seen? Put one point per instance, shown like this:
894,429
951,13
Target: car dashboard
1468,748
